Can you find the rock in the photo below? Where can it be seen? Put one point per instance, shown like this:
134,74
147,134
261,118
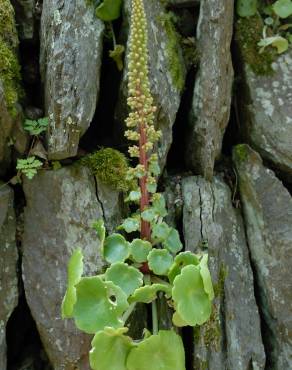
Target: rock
167,72
212,92
183,3
231,339
25,17
267,209
266,108
71,53
8,266
60,208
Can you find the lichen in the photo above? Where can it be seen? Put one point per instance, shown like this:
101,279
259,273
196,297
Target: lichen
9,65
248,33
110,166
172,50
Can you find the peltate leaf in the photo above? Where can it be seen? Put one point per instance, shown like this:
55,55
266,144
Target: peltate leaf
283,8
99,304
75,271
206,276
148,293
128,278
110,349
116,248
140,250
178,321
191,301
160,232
246,8
181,260
163,351
160,261
130,225
109,10
149,214
172,242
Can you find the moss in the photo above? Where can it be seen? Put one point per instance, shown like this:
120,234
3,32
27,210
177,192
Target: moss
219,286
248,34
9,65
109,166
212,330
172,50
241,153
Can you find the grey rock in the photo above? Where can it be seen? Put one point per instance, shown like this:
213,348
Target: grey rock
266,108
267,209
164,86
8,266
212,92
71,52
25,17
60,208
232,337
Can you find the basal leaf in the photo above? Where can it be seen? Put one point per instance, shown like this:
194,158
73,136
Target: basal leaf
148,293
191,301
160,261
140,250
163,351
172,242
75,271
181,260
206,276
178,321
109,10
116,248
110,349
160,206
134,196
149,214
130,225
128,278
246,8
278,42
160,232
283,8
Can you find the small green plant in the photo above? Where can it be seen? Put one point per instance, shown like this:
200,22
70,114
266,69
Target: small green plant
36,127
28,166
139,269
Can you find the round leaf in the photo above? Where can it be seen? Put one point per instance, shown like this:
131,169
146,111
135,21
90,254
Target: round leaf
116,248
283,8
75,271
172,242
128,278
181,260
159,261
109,10
159,206
99,304
130,225
110,349
149,214
191,301
140,250
160,232
163,351
278,42
246,8
148,293
206,276
178,321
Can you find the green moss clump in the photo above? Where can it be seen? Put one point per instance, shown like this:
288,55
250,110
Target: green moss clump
219,286
172,50
248,32
241,153
9,65
110,166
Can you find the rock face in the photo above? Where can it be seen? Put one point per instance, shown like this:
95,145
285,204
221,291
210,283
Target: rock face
25,16
8,266
268,217
167,72
61,206
232,338
267,111
212,93
71,52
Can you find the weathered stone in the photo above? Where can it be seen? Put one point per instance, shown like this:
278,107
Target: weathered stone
267,209
25,11
60,209
232,337
166,72
8,266
71,52
266,108
212,93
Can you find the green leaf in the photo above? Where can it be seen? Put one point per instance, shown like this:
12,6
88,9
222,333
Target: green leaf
130,225
128,278
160,232
148,293
109,10
116,248
246,8
178,321
154,168
181,260
191,301
134,196
28,166
206,276
117,56
283,8
149,214
278,42
100,230
172,242
160,206
99,304
163,351
75,271
160,261
140,250
151,188
35,127
110,349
